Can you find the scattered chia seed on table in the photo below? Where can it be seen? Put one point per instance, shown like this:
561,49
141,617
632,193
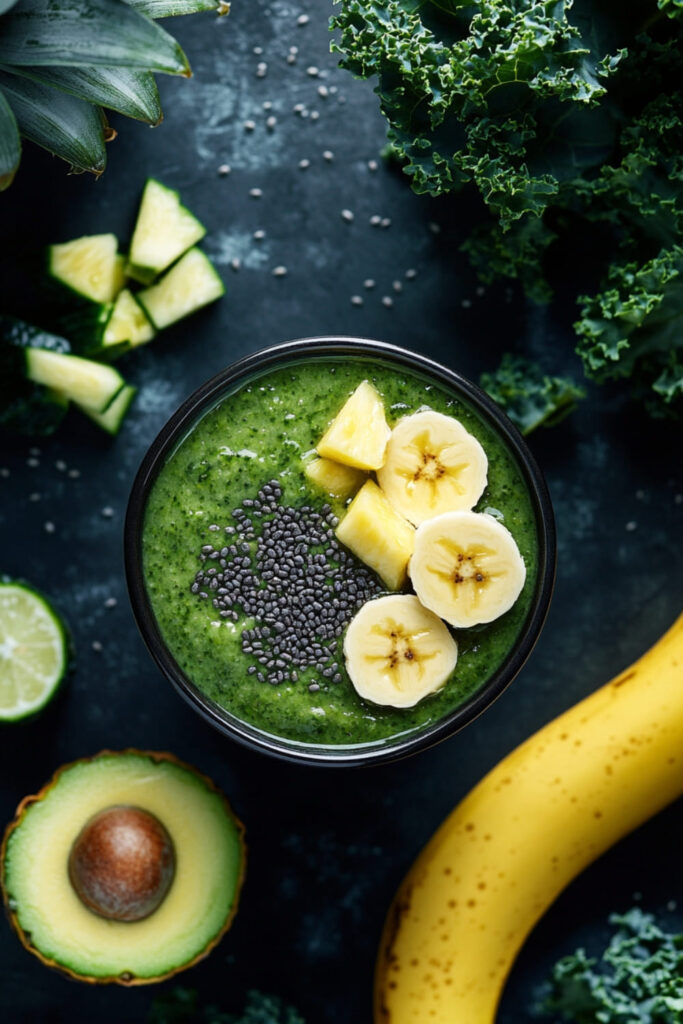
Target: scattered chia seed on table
282,566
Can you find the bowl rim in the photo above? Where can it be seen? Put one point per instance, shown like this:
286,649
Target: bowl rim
189,413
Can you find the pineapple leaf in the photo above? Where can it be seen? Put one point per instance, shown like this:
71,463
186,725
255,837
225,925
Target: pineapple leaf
170,8
126,90
68,127
10,144
74,33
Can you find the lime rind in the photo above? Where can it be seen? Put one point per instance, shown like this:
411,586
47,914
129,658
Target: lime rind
34,651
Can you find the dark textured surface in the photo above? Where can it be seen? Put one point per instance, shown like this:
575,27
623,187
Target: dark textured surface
327,848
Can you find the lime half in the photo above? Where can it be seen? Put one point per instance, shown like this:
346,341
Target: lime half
34,651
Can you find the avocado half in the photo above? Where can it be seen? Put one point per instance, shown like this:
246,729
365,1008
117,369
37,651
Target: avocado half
54,923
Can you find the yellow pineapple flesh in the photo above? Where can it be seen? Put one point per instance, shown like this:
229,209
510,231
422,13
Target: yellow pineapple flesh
378,535
336,479
359,433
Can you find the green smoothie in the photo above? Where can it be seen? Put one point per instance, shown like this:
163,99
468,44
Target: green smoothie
236,481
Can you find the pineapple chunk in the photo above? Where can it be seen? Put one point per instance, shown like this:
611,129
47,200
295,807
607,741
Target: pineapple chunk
378,535
89,266
359,433
338,480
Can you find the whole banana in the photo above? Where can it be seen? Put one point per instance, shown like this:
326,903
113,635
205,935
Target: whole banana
522,834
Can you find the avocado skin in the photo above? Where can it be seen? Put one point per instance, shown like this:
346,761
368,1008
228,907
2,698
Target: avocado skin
126,979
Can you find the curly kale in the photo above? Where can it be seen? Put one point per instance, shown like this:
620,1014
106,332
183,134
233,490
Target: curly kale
635,328
567,117
639,978
530,397
182,1006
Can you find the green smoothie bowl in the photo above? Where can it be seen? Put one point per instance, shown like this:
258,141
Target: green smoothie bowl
339,552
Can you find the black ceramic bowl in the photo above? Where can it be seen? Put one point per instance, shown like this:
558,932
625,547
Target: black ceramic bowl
181,423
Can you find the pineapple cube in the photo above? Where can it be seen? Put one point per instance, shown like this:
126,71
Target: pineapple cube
378,535
338,480
359,433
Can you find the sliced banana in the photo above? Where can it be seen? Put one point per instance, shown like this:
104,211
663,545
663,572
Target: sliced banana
466,567
397,652
433,465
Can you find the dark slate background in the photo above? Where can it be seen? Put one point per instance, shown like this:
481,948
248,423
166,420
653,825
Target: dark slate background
328,847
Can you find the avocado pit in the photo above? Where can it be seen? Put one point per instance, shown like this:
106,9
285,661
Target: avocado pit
122,863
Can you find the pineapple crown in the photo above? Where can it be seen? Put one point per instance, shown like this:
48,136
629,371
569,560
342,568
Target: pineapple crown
62,64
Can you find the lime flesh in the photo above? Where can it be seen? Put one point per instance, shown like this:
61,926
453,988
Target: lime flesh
33,651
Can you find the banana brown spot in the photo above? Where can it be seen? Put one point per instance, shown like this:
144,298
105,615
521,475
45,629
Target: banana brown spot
431,469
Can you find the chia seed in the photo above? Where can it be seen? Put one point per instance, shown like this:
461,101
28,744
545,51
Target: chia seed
296,584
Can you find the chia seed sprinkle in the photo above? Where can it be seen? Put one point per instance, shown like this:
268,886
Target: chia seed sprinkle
387,301
255,193
271,122
279,271
285,583
347,215
328,155
49,527
259,235
249,126
411,274
302,20
372,165
356,300
375,220
304,165
224,170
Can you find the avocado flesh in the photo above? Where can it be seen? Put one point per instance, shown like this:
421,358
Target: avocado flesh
199,903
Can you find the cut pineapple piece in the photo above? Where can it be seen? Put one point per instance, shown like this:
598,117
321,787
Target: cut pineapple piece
358,435
336,479
127,323
378,535
163,232
89,266
192,283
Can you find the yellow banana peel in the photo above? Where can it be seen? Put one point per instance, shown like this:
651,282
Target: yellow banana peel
522,834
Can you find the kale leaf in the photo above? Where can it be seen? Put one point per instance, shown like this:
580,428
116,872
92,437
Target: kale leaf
529,396
567,117
182,1006
635,328
639,978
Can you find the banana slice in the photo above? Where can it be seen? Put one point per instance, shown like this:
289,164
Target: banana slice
397,652
466,567
433,465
